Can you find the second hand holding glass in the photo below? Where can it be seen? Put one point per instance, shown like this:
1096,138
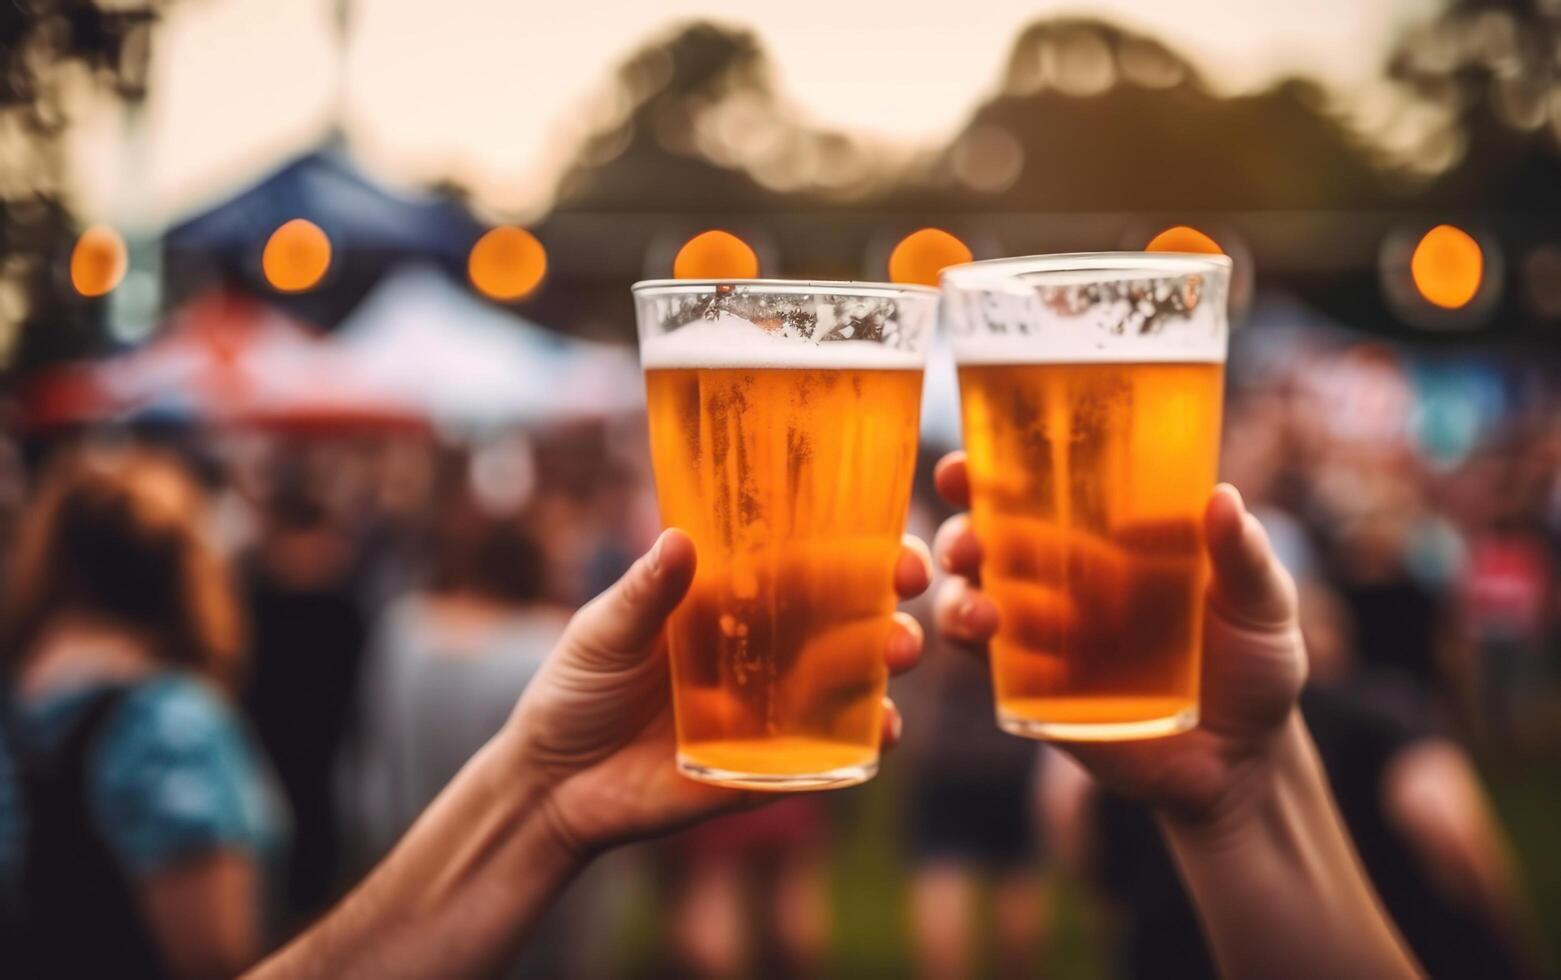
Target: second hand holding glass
1091,391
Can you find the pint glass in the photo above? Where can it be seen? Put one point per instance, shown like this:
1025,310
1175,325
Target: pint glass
1090,389
783,429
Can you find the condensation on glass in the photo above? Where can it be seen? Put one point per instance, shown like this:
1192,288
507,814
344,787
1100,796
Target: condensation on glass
783,426
1091,389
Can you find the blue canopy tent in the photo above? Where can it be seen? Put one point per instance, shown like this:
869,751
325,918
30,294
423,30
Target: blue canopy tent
370,227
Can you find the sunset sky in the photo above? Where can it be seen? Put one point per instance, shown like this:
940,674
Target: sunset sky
490,92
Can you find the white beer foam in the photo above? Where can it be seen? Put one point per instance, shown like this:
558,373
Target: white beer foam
729,341
1006,323
1062,349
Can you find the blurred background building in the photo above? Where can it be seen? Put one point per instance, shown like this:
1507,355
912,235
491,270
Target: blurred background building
364,267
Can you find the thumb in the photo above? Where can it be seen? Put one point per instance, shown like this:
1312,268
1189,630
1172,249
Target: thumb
1251,588
620,626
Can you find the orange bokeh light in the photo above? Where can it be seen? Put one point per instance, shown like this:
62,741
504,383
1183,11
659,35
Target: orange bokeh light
507,263
1447,267
715,254
1181,238
923,254
98,261
296,256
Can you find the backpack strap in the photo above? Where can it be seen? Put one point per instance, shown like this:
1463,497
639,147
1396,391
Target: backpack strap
72,883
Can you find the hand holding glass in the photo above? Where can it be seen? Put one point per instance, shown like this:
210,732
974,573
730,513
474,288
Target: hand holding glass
784,420
1091,388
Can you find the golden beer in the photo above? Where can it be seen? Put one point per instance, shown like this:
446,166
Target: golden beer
793,481
1088,484
1092,449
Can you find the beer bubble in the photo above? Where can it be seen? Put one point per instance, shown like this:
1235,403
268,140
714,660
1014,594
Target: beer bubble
732,627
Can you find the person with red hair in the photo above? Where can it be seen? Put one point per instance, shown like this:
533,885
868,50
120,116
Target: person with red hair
137,821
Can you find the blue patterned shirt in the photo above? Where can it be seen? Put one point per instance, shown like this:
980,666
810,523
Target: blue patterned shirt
172,775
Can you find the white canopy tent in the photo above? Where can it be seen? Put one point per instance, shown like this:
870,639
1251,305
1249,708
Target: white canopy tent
229,359
472,366
940,397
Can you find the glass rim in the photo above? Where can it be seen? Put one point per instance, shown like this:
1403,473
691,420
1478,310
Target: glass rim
795,287
1122,265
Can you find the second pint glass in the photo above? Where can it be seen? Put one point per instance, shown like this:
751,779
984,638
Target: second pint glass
1090,387
783,424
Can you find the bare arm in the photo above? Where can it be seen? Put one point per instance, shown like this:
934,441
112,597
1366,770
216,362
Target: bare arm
585,762
1433,797
205,914
1066,794
457,895
1243,799
1278,886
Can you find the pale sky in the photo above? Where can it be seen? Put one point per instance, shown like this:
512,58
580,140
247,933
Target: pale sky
490,91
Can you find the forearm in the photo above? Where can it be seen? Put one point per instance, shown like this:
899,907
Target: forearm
1277,882
458,894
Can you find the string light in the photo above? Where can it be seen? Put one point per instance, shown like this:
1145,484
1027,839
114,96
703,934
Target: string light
98,261
296,256
507,263
1447,267
715,254
921,255
1183,238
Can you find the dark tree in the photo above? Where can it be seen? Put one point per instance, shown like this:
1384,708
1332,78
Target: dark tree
48,50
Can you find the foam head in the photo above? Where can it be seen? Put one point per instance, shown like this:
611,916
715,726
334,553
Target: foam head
1098,307
762,324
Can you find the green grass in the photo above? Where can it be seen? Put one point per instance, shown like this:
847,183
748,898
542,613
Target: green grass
868,884
870,888
1527,795
870,878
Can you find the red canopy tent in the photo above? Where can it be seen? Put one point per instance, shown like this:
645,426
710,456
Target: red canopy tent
63,396
223,359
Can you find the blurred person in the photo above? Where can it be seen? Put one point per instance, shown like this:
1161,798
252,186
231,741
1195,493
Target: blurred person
1506,592
971,823
626,518
308,635
1256,456
1402,623
1410,798
445,668
447,664
564,522
13,494
1253,446
586,762
748,892
1369,398
138,827
1413,800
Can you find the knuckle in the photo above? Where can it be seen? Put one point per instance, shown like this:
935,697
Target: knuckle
911,627
950,530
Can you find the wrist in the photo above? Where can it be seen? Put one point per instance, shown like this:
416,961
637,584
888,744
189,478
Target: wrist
1275,876
520,786
461,891
1256,785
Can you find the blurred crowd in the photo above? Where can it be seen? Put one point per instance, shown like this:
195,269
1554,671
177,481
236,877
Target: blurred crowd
250,658
1415,495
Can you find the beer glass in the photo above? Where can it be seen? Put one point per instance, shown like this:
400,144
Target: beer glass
783,429
1090,389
